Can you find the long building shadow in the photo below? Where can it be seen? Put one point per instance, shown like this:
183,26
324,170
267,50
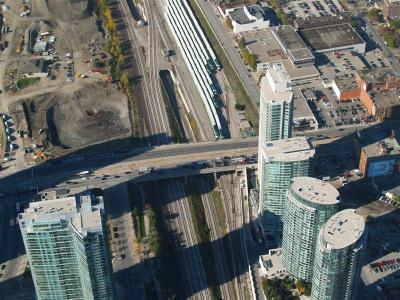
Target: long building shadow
171,242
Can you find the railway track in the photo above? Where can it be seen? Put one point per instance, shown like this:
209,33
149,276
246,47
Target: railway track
234,214
157,131
194,278
224,276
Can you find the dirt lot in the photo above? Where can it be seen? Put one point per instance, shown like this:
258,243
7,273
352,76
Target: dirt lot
67,114
79,115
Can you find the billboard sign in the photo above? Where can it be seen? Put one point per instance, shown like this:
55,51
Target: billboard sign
381,168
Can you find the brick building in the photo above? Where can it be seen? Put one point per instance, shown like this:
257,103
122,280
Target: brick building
391,9
377,88
377,150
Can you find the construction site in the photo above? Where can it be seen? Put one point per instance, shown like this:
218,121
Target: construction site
56,84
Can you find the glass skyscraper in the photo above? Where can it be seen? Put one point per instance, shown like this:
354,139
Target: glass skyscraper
279,162
66,243
276,105
310,202
339,256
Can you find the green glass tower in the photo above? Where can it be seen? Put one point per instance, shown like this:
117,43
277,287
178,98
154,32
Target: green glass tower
276,105
279,162
65,240
310,202
339,257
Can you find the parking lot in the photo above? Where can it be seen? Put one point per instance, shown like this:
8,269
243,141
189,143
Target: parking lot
310,8
383,254
330,112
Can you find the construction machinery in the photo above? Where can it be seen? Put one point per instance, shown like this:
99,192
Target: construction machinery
20,44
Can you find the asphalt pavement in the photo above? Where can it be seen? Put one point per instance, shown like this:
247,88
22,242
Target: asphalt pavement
215,21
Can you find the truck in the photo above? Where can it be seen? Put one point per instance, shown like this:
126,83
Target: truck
145,170
82,173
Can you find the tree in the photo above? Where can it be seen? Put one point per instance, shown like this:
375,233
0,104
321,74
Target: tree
303,287
253,62
228,22
369,219
275,4
239,106
125,86
242,43
374,14
394,23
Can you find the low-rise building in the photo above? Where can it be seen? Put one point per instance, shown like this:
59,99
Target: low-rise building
40,46
271,264
294,47
391,9
313,22
333,38
247,18
268,50
303,117
346,88
377,150
377,88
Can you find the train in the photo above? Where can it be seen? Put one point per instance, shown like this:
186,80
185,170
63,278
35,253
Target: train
198,56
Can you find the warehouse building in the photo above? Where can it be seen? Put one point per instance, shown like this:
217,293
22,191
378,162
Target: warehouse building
293,45
313,22
333,38
264,45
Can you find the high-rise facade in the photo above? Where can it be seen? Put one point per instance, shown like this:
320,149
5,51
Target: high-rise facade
279,162
66,243
276,105
310,202
339,256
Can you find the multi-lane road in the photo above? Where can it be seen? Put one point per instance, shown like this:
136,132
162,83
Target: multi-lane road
231,51
377,37
50,173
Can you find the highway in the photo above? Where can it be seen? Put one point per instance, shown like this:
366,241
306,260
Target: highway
231,52
16,179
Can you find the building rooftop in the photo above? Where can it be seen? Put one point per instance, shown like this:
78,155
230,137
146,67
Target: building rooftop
272,264
40,46
287,150
263,44
346,83
84,213
240,16
333,36
377,75
386,98
301,109
311,22
315,190
342,229
276,85
380,140
291,42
